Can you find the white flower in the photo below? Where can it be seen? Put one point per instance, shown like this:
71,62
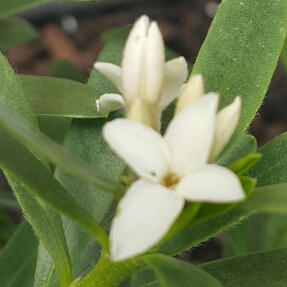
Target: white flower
147,84
171,170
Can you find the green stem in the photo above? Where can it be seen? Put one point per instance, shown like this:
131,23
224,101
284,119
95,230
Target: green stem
109,274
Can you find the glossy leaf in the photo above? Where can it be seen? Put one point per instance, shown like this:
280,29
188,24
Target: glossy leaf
174,272
272,168
18,259
46,222
15,31
50,96
240,53
260,269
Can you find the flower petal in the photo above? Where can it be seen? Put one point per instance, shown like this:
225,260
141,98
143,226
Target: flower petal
193,90
175,74
144,215
226,122
112,72
132,59
210,183
143,149
110,102
190,134
152,66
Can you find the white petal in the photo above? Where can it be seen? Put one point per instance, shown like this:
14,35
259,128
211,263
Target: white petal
193,90
112,72
132,59
175,74
110,102
190,133
144,215
226,122
152,66
143,149
210,183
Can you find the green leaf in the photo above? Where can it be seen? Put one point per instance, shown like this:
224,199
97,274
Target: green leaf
245,146
272,168
31,137
66,70
174,272
60,97
13,6
240,53
111,53
54,127
264,231
39,182
201,232
18,259
45,221
142,277
242,165
272,198
260,269
85,140
15,31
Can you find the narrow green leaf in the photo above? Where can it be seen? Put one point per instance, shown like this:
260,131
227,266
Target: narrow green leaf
18,259
66,70
242,165
240,53
12,6
50,96
272,198
174,272
264,231
272,168
245,146
54,127
15,31
111,53
39,182
31,137
46,222
201,232
260,269
85,140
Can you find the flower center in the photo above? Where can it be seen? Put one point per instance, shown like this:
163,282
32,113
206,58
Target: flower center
170,180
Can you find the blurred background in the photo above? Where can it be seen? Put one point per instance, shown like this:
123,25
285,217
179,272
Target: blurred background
72,35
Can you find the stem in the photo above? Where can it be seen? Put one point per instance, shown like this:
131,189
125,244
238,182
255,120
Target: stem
109,274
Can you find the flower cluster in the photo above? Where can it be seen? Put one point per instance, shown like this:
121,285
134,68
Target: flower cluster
147,84
173,168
